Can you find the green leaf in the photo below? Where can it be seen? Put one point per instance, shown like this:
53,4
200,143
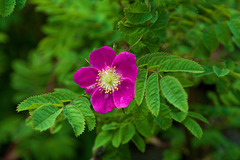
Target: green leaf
102,139
161,22
56,128
179,116
75,118
138,7
210,39
20,4
140,85
219,72
171,154
137,18
180,65
37,101
236,40
157,61
139,142
116,139
193,127
223,33
152,41
45,116
61,96
137,13
164,118
174,92
6,7
144,60
152,94
144,127
142,111
198,116
130,30
128,132
234,25
67,92
84,105
111,126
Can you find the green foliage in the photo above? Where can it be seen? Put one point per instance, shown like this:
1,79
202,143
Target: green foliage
37,101
140,86
144,127
20,4
182,65
83,105
75,118
44,117
116,139
219,72
6,7
157,61
223,33
102,138
198,116
174,92
164,119
46,112
193,127
137,13
234,26
139,142
152,94
128,132
210,39
144,60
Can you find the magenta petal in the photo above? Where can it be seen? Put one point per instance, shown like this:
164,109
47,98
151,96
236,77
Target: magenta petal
102,57
124,94
86,78
101,102
91,89
125,64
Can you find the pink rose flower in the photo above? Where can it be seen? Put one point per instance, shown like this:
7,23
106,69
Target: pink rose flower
110,80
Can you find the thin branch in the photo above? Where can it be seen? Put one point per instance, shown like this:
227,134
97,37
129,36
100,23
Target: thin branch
87,61
136,42
155,72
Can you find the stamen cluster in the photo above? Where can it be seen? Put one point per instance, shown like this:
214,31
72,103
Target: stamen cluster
108,80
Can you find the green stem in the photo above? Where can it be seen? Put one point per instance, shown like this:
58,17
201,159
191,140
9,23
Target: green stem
136,43
234,74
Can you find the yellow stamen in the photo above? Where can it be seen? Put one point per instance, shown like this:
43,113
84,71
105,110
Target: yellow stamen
108,79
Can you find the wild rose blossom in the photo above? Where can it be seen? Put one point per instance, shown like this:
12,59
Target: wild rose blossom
110,80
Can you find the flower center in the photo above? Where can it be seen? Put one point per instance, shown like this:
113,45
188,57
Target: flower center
108,80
